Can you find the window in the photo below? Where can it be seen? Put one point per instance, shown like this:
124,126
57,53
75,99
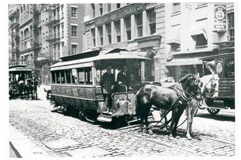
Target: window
68,76
62,28
152,21
128,27
62,11
108,30
118,5
93,36
93,9
74,31
62,78
139,24
231,26
117,30
74,48
176,8
73,12
53,77
58,50
84,75
109,7
100,30
200,40
101,8
74,76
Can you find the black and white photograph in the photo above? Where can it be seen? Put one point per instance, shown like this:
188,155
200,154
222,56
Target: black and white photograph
121,80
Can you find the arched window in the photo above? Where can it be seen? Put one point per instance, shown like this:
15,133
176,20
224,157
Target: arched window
26,33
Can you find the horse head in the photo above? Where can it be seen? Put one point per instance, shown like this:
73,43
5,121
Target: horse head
191,83
211,85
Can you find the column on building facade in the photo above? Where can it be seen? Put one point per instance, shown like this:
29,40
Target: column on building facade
144,23
113,33
104,35
122,29
97,42
133,26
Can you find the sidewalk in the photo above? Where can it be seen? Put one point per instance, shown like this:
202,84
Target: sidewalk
24,147
20,146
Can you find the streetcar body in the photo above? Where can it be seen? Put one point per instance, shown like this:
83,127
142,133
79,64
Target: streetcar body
17,73
76,83
225,68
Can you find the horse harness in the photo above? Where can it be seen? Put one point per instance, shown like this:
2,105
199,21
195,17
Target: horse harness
182,98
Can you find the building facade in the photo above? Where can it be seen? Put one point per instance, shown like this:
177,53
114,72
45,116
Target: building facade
193,31
131,26
174,35
46,32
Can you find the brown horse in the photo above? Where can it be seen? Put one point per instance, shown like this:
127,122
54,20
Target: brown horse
172,98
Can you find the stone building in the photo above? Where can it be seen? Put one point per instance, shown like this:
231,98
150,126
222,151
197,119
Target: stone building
138,26
193,31
46,32
173,35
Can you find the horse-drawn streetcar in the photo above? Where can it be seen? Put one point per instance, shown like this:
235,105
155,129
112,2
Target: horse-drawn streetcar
223,65
18,75
77,83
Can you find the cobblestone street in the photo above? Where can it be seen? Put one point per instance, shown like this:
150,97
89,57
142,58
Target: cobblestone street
66,136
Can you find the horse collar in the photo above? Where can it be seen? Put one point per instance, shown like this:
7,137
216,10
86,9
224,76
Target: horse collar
183,95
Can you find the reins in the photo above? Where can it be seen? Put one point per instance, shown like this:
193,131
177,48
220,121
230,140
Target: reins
183,97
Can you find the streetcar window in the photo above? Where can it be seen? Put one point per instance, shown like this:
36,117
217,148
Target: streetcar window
98,76
53,77
68,76
62,76
88,75
74,76
81,76
85,75
58,76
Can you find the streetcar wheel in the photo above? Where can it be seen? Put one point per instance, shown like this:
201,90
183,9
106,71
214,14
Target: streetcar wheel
213,111
209,101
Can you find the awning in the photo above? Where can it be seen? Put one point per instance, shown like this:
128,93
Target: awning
199,31
183,62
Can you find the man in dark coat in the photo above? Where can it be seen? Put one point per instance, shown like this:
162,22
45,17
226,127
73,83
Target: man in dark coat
107,84
123,77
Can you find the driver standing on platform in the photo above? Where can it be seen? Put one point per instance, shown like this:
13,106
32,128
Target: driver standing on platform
107,84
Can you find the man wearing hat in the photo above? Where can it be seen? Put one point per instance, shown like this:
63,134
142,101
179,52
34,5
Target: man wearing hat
123,77
107,83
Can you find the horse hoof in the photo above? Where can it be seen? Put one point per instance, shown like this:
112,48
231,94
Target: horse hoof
189,138
171,138
150,132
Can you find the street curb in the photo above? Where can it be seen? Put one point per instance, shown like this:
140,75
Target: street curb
14,150
25,147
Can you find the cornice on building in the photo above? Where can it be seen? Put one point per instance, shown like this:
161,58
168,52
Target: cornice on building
116,14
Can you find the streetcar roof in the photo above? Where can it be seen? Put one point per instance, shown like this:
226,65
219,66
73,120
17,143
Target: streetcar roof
217,56
19,69
87,62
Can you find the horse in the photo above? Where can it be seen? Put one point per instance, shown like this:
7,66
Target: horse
210,84
173,98
25,88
